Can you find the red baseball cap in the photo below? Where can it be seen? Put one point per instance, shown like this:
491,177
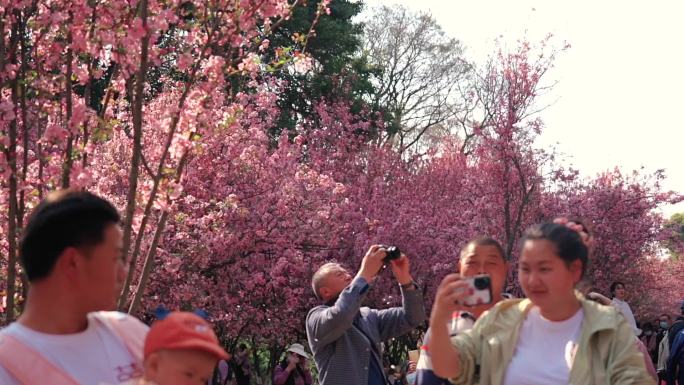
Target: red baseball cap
183,330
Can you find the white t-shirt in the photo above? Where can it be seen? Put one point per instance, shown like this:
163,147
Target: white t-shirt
457,325
545,350
95,356
626,311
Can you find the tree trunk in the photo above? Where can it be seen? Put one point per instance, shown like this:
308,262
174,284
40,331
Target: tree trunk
255,356
26,129
157,180
68,158
135,157
152,251
11,220
21,209
273,360
149,263
11,155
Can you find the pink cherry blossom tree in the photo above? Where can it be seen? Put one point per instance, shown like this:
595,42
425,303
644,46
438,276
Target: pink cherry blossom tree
137,101
78,102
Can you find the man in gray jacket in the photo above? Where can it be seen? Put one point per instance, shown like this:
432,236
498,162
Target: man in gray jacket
344,337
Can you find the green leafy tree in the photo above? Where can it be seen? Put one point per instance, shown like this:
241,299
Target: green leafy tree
675,242
339,72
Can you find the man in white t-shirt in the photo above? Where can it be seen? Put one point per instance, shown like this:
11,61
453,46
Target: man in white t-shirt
71,252
479,256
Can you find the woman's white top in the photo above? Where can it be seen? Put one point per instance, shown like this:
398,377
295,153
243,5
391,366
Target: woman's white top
545,350
626,311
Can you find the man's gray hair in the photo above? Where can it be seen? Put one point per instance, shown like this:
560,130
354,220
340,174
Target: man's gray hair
321,273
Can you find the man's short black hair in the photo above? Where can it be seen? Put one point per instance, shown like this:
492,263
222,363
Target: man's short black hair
484,241
66,218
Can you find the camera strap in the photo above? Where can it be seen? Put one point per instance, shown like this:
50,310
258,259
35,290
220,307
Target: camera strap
374,348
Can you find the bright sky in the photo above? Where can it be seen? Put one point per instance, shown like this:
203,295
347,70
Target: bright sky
619,98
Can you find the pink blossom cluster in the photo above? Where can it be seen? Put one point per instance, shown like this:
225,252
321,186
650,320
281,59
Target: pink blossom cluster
228,218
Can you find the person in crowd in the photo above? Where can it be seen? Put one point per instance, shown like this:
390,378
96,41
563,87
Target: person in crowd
393,376
479,256
223,374
71,253
618,303
677,325
554,336
648,338
243,373
663,323
619,293
674,374
664,349
403,372
345,337
411,372
294,368
648,362
180,349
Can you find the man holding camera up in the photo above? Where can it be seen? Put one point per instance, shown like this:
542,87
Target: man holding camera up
479,256
345,337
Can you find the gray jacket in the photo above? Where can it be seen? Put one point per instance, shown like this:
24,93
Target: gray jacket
342,353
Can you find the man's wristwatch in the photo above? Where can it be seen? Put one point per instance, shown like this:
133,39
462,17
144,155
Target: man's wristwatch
409,285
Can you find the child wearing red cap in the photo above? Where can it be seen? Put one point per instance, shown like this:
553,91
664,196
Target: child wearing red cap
180,349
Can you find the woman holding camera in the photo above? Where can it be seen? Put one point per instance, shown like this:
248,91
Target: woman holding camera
294,369
554,336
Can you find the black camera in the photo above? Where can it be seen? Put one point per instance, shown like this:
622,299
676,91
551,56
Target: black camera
393,253
482,282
